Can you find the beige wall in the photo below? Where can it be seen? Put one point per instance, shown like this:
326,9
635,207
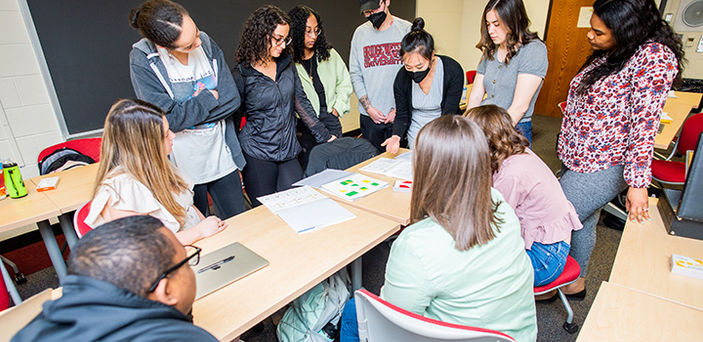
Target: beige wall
455,25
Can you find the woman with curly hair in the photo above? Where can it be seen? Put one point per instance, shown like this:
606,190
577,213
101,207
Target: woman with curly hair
513,65
529,186
272,94
322,72
612,116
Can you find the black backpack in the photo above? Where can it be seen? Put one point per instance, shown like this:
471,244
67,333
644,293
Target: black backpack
63,159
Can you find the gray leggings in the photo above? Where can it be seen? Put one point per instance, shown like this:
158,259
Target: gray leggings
589,193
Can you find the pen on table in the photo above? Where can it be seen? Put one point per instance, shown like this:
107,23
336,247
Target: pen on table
216,265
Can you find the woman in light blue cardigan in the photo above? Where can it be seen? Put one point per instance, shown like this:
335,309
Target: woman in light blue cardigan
322,72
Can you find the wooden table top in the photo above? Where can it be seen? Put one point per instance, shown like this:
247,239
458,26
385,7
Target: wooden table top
19,212
678,109
385,202
622,314
75,187
643,261
297,262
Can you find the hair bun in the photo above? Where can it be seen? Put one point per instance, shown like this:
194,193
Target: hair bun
133,16
418,24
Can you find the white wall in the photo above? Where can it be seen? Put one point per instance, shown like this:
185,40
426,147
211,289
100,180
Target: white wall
28,122
455,25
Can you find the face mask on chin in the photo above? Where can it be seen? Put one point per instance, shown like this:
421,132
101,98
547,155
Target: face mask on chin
418,76
377,19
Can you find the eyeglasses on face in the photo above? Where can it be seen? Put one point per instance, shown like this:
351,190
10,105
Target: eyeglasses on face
192,258
313,33
282,40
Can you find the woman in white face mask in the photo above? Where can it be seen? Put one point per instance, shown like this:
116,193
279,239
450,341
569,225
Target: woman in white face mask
426,87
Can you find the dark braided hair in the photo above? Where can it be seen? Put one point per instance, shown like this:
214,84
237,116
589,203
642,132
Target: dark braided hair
160,21
257,34
632,23
418,40
299,17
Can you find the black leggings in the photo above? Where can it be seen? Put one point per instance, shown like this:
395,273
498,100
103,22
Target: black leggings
226,194
264,177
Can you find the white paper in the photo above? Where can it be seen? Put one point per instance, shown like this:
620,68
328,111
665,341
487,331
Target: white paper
672,94
290,198
354,186
315,215
400,167
323,177
584,20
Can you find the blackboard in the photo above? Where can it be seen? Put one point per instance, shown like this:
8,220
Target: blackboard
86,43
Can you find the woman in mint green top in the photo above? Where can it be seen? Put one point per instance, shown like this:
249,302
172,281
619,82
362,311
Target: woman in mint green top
463,259
322,72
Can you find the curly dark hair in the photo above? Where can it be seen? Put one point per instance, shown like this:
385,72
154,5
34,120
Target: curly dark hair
299,16
503,139
513,15
256,37
633,23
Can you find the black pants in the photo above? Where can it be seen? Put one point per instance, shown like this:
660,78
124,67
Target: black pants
226,194
307,140
375,133
264,177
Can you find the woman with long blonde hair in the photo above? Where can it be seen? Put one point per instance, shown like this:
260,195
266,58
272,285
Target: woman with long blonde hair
462,259
136,177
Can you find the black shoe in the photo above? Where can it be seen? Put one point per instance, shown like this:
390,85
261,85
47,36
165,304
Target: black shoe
578,295
548,300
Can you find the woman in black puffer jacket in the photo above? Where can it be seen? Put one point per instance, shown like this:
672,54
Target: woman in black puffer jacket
272,95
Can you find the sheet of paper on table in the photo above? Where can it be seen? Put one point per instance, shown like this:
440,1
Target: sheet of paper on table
354,187
399,167
323,177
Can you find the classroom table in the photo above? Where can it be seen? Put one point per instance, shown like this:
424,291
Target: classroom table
622,314
75,188
297,262
643,261
37,208
678,108
385,202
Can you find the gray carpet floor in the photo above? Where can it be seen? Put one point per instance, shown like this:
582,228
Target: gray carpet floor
550,316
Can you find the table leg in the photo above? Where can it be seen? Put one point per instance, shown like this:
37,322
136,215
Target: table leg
11,289
66,223
53,248
356,274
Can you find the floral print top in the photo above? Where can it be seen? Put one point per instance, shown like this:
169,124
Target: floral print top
615,121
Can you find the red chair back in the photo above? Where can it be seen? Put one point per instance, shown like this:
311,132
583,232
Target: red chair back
88,146
79,220
690,131
562,106
4,295
470,75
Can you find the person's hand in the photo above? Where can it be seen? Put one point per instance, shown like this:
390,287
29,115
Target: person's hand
215,94
390,117
637,204
375,115
392,144
335,112
211,225
332,139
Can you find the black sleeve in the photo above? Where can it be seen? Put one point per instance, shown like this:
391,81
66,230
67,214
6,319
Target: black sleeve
307,113
453,86
402,99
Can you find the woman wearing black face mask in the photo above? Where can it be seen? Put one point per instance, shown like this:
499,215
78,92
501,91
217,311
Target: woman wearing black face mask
428,86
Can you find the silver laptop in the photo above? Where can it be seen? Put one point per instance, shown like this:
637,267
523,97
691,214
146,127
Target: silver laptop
224,266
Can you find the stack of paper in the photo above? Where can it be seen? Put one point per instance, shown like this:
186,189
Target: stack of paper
305,209
400,167
354,186
690,267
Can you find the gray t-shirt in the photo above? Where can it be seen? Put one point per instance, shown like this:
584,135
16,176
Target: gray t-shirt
426,107
500,79
374,60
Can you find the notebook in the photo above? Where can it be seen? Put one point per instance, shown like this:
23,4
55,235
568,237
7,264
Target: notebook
224,266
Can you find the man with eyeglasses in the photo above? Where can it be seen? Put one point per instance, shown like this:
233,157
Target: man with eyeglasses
374,61
128,280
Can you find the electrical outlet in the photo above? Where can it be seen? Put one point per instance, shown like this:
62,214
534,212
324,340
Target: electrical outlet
689,42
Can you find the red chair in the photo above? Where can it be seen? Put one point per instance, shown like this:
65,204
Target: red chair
562,107
571,272
7,289
88,146
671,172
470,75
380,320
79,220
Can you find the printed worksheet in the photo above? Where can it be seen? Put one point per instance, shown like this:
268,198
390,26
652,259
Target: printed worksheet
354,186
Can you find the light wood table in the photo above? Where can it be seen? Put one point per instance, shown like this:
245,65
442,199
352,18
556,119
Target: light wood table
678,108
75,188
37,208
297,262
17,317
385,202
622,314
643,261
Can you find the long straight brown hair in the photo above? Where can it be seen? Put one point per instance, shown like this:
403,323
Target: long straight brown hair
503,139
513,16
133,143
452,181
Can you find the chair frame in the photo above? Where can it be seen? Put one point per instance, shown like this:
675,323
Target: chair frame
569,325
674,150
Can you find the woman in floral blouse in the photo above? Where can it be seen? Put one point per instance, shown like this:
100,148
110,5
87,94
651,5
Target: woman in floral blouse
612,115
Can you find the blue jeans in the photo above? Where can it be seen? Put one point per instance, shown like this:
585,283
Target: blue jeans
349,327
525,128
548,261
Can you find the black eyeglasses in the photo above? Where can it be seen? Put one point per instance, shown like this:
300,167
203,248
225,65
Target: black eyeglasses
192,258
282,40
